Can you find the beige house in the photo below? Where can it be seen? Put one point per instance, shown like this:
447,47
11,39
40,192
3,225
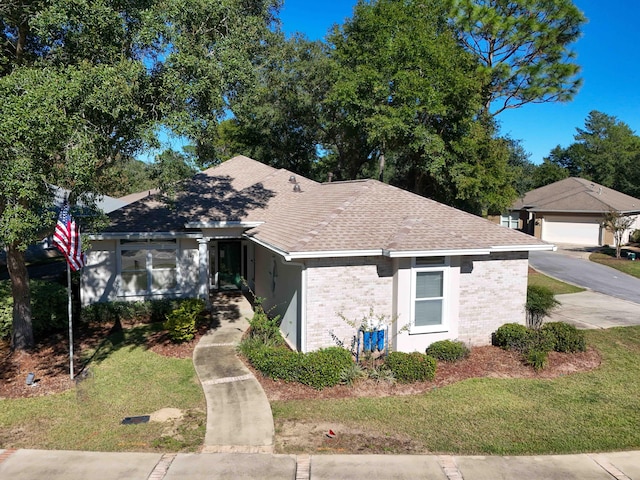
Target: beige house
571,211
317,252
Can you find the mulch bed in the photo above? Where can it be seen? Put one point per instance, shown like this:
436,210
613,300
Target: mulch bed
49,361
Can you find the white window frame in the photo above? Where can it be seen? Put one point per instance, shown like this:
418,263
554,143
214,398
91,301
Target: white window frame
431,264
510,220
148,246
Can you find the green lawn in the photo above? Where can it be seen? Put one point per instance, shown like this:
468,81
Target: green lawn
586,412
608,257
556,286
126,380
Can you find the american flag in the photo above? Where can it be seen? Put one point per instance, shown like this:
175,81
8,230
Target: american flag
66,238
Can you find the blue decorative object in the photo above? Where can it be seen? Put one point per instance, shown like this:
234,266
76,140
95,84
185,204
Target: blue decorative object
367,341
374,340
380,340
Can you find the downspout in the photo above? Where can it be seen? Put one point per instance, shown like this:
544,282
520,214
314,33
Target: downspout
303,302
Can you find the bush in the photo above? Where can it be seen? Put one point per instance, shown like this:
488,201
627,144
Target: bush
181,322
411,367
635,236
540,302
278,363
324,367
448,350
49,307
264,328
149,310
537,358
351,374
319,369
511,336
566,338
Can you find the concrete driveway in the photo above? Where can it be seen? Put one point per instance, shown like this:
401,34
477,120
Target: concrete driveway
612,298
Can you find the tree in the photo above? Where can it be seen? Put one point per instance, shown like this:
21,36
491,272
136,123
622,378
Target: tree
617,223
548,172
405,91
523,168
84,84
280,122
605,151
522,48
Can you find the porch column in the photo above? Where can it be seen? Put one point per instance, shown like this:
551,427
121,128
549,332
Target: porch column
203,268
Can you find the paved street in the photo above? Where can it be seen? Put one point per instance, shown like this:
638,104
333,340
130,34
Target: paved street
584,273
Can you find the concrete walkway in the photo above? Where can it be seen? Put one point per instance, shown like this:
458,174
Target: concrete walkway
238,413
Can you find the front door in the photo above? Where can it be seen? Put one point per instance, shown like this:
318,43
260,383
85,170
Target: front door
229,266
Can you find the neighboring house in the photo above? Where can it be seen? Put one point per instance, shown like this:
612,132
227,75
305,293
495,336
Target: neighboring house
316,251
571,211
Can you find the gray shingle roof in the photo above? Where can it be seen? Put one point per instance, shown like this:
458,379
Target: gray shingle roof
577,195
352,216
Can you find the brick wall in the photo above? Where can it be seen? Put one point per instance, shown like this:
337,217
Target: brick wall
349,286
491,294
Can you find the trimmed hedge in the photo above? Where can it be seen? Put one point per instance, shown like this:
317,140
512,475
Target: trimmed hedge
319,369
411,367
448,350
149,310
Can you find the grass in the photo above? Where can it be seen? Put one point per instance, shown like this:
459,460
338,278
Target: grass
125,380
556,286
586,412
607,256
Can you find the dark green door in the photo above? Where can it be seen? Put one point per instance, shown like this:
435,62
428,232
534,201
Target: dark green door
229,265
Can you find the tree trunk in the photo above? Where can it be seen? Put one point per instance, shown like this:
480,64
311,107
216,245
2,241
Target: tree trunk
22,336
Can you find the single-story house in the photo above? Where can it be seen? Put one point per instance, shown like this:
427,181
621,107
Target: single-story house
571,211
318,253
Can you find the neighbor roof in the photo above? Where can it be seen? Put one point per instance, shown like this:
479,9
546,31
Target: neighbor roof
577,195
320,219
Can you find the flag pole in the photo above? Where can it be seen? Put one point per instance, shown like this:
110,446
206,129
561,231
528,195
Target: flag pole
70,309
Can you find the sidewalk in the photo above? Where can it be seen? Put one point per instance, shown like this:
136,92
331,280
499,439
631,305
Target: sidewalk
62,465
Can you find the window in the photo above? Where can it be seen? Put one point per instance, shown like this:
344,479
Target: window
510,220
147,267
429,294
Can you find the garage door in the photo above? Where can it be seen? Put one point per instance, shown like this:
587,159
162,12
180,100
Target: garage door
571,231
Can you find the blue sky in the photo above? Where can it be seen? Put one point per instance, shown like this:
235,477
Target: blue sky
608,52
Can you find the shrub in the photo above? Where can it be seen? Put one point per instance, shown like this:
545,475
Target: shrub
278,363
411,367
540,302
148,310
263,327
181,322
323,367
319,369
382,374
352,374
49,310
566,338
537,358
448,350
511,336
635,236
